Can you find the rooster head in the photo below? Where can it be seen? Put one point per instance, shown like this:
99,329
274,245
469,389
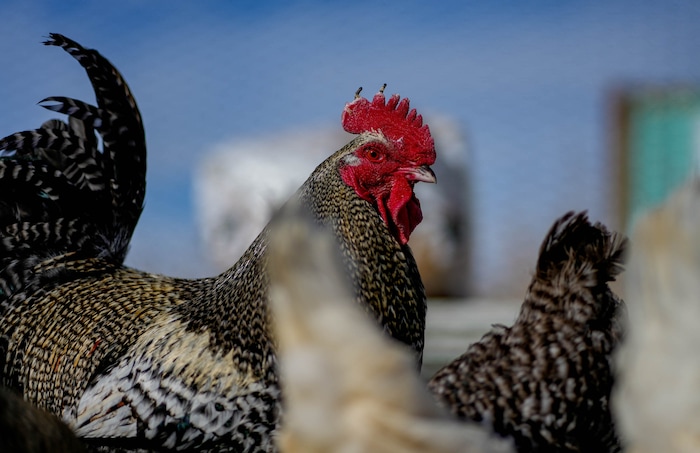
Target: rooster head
395,150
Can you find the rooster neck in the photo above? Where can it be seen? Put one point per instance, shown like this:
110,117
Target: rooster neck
382,271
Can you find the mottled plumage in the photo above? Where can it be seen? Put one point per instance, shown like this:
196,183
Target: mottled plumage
136,360
546,380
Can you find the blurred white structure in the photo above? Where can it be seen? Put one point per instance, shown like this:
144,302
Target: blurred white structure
240,184
657,400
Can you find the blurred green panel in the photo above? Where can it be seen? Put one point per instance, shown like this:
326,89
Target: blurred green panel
664,135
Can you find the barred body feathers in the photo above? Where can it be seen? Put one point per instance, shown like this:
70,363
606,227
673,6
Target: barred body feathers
546,380
133,360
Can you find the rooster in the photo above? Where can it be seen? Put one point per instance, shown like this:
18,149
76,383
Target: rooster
545,381
347,387
133,360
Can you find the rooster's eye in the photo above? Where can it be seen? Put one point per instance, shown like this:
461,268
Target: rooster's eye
373,155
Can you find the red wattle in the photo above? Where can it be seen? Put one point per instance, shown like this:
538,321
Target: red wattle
400,209
404,208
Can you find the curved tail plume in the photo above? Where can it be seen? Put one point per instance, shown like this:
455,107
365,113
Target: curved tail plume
61,194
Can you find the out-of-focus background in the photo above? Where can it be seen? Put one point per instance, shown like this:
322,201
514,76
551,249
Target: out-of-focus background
537,107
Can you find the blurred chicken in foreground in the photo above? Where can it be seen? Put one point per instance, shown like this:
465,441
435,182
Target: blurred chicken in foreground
25,428
347,386
657,401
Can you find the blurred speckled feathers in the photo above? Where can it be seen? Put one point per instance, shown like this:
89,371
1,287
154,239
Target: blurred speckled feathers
590,255
546,380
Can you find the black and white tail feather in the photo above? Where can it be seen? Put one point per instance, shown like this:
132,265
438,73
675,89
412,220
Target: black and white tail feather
578,257
64,199
588,249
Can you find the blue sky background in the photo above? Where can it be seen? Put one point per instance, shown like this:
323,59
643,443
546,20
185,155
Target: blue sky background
528,81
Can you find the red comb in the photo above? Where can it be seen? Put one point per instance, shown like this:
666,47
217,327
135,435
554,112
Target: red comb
392,118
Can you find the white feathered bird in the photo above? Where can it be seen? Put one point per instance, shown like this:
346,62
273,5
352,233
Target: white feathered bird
348,387
657,397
